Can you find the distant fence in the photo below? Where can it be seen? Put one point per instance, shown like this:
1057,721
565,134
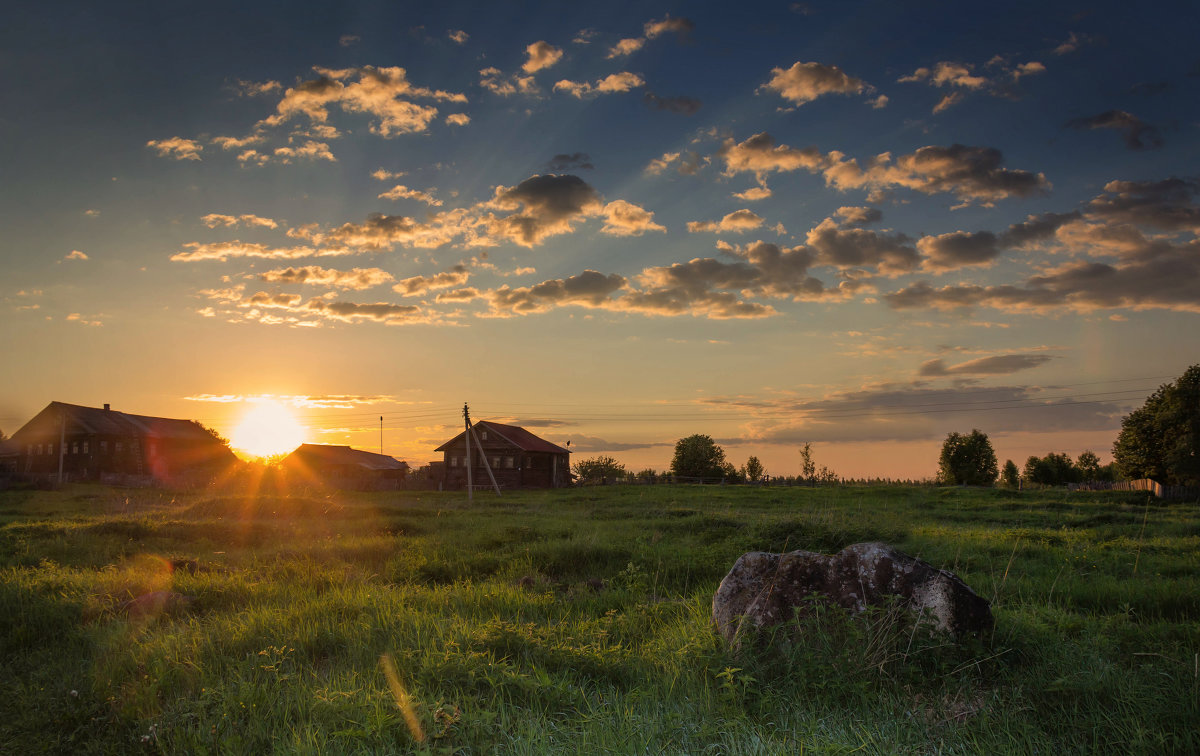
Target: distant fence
1145,484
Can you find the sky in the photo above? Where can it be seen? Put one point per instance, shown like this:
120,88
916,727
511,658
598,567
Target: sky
860,225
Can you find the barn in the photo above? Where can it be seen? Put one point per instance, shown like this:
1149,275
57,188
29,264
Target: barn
69,442
518,458
344,467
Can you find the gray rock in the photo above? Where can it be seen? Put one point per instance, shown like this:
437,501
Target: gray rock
764,590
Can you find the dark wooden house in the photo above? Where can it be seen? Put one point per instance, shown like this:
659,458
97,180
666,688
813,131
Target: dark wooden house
67,442
518,459
343,467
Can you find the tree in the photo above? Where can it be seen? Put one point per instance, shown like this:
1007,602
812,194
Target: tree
1161,439
1051,470
698,456
1088,466
968,460
808,468
598,470
753,470
1011,476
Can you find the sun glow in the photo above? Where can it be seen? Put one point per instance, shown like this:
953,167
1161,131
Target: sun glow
267,429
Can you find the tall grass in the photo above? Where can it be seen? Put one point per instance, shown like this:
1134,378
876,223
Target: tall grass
578,621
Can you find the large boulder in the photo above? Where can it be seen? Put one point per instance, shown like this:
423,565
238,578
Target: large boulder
764,590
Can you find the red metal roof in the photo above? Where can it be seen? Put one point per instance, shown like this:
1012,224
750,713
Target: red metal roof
514,434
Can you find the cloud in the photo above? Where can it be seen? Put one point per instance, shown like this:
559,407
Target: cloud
77,318
857,247
588,289
850,217
222,251
613,83
682,105
542,55
759,155
575,161
309,150
212,220
753,194
1002,364
92,213
623,218
355,279
681,26
253,88
547,205
76,255
1138,134
958,249
493,80
738,221
1168,204
416,285
384,93
177,148
805,82
400,191
1073,42
687,163
349,40
458,119
626,46
458,36
595,444
381,232
962,79
381,174
237,143
896,412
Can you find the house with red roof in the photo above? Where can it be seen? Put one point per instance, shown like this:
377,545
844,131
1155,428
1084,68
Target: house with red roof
518,458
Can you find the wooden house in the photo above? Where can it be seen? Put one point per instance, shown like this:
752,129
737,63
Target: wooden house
68,442
344,467
518,459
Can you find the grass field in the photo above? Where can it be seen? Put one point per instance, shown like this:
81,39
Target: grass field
577,621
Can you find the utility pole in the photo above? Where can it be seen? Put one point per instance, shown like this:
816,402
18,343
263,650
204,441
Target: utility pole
381,434
470,433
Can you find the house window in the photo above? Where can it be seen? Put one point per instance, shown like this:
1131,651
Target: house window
75,447
496,462
483,435
508,462
104,447
41,449
454,461
85,447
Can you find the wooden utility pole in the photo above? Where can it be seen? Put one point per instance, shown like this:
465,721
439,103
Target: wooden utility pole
469,434
381,434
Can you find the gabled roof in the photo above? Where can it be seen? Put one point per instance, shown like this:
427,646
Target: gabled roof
108,422
514,434
343,455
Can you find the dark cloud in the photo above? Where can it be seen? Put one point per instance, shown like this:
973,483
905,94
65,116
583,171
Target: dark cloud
1138,134
1036,228
853,217
996,365
1150,88
593,444
574,161
857,247
958,249
681,105
681,26
588,289
1168,204
548,204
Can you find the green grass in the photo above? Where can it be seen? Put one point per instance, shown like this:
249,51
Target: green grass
578,621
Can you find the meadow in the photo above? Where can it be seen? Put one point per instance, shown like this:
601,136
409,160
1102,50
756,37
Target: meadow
577,621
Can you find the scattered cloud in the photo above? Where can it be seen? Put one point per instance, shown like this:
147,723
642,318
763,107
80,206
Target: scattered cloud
177,148
76,255
613,83
458,119
212,220
1138,134
625,47
805,82
417,285
77,318
623,218
222,251
349,40
753,194
738,221
400,191
541,55
588,289
457,36
686,163
1073,42
1002,364
962,79
255,88
494,80
355,279
309,150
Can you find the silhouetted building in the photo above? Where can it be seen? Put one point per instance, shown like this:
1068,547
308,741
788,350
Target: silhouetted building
518,459
343,467
87,443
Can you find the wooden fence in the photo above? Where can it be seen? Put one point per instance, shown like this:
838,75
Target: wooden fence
1145,484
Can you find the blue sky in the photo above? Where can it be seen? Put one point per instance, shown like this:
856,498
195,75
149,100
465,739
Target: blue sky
862,225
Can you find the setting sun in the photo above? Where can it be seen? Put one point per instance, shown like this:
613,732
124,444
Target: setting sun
267,429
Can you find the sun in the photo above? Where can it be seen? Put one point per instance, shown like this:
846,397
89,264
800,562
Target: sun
267,429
